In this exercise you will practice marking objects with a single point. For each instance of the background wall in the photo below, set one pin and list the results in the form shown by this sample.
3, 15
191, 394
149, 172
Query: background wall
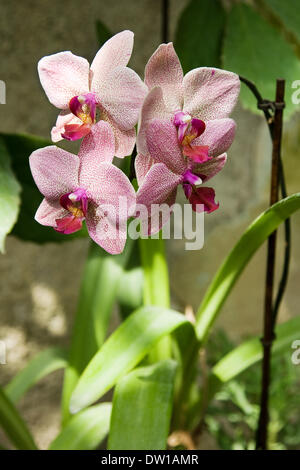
38, 297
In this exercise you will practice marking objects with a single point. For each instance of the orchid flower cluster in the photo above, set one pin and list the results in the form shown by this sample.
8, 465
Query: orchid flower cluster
183, 134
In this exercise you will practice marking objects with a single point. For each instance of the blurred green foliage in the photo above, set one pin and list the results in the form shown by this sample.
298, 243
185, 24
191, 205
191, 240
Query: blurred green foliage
232, 416
252, 41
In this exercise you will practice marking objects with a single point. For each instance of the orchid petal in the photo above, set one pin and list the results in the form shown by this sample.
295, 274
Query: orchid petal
115, 52
109, 188
124, 140
192, 178
210, 168
142, 163
54, 171
63, 75
164, 69
68, 225
203, 199
64, 118
48, 212
218, 136
159, 187
76, 131
153, 107
98, 146
163, 145
121, 94
102, 229
210, 93
107, 184
197, 153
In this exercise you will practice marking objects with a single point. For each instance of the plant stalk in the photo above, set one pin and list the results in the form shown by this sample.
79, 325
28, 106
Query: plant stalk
268, 337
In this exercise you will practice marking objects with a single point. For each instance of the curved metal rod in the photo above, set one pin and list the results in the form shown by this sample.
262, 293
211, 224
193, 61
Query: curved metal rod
262, 104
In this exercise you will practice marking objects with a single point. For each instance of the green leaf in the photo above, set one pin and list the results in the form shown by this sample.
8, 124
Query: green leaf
234, 264
9, 196
148, 390
98, 292
19, 148
43, 364
13, 425
156, 285
255, 49
288, 12
241, 358
130, 290
86, 430
156, 276
250, 352
123, 350
199, 34
103, 33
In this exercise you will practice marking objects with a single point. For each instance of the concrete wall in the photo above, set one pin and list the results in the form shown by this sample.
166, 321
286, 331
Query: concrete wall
38, 297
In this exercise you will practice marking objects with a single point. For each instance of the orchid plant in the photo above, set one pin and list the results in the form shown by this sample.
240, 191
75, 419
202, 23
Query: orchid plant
140, 142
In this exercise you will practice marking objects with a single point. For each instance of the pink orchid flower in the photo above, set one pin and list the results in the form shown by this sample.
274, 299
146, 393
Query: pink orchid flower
170, 168
108, 85
85, 187
198, 104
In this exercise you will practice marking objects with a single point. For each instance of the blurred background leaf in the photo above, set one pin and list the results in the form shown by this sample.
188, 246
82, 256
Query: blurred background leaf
19, 148
255, 49
199, 34
41, 365
288, 13
9, 195
102, 32
13, 425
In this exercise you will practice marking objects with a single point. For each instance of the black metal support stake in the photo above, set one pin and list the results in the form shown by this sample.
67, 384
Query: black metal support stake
268, 337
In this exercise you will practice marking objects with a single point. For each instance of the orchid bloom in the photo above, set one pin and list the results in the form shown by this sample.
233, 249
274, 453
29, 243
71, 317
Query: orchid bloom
171, 169
108, 85
85, 187
197, 104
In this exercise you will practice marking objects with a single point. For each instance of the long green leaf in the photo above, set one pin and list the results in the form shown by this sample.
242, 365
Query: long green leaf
9, 195
234, 264
97, 295
13, 425
86, 430
250, 352
43, 364
142, 407
194, 42
156, 276
130, 290
241, 358
123, 350
257, 50
156, 285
